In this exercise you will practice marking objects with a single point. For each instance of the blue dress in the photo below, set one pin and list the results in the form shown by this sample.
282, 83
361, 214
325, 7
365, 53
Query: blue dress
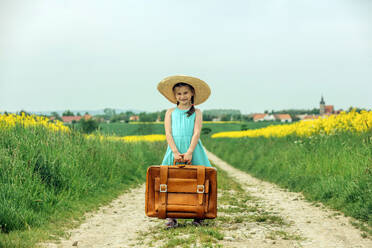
182, 131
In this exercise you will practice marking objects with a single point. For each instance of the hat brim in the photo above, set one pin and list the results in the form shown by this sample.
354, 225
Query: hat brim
202, 90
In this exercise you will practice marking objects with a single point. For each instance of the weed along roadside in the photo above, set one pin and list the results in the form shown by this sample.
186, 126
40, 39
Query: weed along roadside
335, 170
49, 179
317, 225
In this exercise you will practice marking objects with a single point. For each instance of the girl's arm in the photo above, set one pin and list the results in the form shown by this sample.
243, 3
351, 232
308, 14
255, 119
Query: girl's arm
168, 134
196, 135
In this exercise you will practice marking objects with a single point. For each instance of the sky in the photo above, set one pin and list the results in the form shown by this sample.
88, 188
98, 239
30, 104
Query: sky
256, 55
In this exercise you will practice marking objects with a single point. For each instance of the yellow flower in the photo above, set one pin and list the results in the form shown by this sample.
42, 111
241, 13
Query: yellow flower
11, 120
349, 122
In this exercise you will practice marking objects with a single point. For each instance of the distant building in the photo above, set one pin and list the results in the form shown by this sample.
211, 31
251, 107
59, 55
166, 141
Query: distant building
69, 119
301, 117
322, 106
325, 109
283, 117
134, 118
269, 118
263, 117
259, 117
328, 109
310, 117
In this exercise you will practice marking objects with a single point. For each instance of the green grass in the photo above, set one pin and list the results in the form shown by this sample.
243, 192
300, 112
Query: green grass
336, 170
125, 129
48, 179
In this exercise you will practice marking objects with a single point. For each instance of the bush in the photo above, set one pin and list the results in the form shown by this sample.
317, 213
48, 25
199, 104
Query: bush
88, 126
206, 130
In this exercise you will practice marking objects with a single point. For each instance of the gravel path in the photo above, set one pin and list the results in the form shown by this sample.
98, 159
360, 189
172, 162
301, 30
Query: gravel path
118, 224
320, 226
114, 225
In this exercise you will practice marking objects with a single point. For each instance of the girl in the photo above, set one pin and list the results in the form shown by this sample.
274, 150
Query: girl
183, 124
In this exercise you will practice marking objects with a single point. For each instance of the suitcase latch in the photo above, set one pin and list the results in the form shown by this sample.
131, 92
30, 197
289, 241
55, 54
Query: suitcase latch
165, 187
200, 189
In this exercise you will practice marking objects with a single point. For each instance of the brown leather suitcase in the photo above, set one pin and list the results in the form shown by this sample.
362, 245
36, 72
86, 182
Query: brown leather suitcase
181, 191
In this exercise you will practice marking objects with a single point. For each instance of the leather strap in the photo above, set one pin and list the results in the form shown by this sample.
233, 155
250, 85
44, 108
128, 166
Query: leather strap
200, 181
163, 195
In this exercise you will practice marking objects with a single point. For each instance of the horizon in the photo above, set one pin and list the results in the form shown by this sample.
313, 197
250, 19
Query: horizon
136, 111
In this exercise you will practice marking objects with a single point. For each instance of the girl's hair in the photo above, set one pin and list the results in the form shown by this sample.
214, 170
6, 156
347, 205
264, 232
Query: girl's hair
192, 109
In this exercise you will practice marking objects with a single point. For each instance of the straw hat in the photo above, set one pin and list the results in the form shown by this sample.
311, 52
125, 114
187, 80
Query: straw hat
202, 90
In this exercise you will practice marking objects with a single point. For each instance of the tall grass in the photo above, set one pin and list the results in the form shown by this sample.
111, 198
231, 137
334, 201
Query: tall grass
44, 174
336, 170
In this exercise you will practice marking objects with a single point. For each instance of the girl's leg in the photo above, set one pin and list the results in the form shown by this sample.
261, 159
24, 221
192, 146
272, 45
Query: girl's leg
198, 222
171, 223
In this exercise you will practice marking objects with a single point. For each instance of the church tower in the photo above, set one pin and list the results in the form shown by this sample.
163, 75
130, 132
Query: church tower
322, 106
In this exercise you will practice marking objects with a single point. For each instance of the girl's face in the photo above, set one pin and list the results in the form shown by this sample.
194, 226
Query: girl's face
183, 94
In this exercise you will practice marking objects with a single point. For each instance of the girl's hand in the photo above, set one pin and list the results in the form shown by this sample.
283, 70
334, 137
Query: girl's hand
177, 156
187, 156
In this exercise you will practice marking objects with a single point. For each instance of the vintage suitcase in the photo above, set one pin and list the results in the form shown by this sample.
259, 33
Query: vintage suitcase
181, 191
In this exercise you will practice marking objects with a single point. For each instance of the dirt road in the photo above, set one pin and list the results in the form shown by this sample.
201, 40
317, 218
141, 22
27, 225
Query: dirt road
121, 223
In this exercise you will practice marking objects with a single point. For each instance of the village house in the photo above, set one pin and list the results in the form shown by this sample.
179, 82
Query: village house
283, 117
258, 117
70, 119
134, 118
301, 117
311, 117
269, 117
263, 117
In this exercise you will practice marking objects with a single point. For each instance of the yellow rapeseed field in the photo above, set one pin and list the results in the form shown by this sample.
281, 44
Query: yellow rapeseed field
351, 122
10, 120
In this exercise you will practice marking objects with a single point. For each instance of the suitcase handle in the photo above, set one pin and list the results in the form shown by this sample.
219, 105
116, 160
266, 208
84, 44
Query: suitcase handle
181, 161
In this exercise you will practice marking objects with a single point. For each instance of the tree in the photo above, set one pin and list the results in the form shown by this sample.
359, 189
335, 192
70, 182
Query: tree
68, 113
206, 130
207, 117
24, 112
88, 126
109, 112
56, 116
247, 118
225, 117
236, 117
162, 114
243, 127
143, 116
